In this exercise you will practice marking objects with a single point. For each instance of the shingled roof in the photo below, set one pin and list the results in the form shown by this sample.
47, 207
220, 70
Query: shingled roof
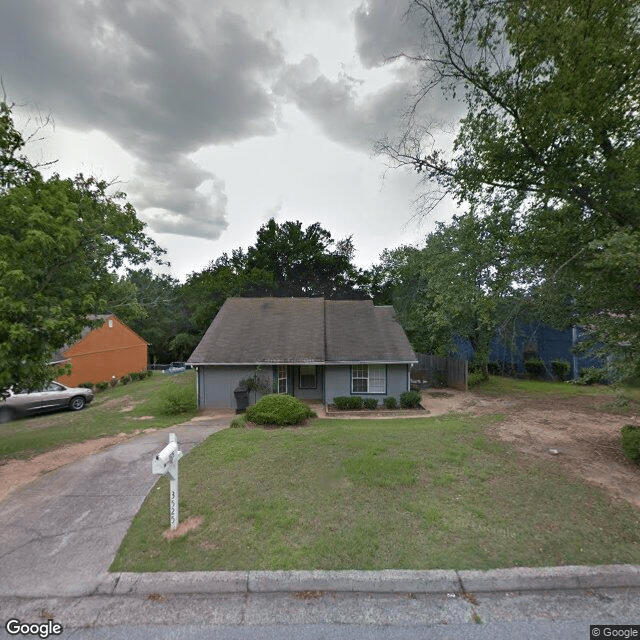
302, 331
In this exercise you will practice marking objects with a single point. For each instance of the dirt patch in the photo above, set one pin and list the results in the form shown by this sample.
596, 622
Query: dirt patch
16, 473
183, 527
581, 433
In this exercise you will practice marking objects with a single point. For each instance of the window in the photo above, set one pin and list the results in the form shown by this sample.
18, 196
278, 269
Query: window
307, 377
368, 378
377, 378
360, 379
282, 379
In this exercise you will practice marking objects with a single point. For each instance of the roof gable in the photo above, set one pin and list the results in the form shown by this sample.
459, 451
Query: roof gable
302, 330
264, 330
357, 331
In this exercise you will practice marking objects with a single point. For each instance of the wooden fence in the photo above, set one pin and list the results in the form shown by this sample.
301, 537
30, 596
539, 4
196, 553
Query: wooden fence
437, 371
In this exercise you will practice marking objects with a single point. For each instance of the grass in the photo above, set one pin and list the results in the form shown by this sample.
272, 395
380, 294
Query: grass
421, 493
504, 386
138, 405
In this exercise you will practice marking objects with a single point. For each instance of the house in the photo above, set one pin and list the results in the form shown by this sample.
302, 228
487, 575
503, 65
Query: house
311, 348
509, 349
103, 352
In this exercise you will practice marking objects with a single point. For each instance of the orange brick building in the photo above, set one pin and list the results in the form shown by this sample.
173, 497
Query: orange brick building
107, 351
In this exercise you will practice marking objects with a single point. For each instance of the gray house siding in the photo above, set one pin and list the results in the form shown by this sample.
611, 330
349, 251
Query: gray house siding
338, 382
301, 332
217, 383
316, 393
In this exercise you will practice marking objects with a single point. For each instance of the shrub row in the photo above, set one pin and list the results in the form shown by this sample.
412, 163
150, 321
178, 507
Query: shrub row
408, 400
126, 379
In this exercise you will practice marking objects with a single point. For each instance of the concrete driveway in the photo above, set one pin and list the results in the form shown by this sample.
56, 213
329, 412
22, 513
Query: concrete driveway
59, 534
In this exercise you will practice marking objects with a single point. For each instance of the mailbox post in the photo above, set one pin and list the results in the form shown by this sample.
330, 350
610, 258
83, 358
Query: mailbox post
166, 463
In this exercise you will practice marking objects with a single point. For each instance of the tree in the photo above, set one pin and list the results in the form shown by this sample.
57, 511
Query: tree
302, 263
204, 292
458, 286
149, 303
61, 241
285, 260
550, 135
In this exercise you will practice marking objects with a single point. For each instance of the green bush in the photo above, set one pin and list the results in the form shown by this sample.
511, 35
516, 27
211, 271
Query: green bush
102, 386
630, 442
178, 400
535, 368
370, 403
560, 369
86, 385
275, 409
410, 400
126, 379
239, 422
347, 403
390, 403
476, 377
592, 375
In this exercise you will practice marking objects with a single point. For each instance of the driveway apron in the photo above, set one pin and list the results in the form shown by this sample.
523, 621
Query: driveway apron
59, 534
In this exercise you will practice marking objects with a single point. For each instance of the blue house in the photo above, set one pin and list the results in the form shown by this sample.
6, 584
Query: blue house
535, 340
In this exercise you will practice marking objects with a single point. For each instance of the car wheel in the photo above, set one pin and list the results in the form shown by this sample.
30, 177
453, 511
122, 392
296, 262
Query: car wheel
6, 415
77, 403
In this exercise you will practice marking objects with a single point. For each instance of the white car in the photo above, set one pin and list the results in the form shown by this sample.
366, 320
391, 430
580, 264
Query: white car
53, 397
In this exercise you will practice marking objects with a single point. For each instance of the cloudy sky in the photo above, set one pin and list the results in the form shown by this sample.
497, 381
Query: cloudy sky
215, 115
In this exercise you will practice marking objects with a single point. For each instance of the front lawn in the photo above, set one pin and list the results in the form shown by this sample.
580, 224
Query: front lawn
420, 493
142, 404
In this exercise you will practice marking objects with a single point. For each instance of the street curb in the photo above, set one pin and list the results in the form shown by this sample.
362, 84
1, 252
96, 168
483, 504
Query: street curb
545, 578
387, 581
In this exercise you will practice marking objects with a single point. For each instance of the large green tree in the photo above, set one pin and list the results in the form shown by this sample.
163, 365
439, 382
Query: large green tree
61, 241
551, 135
305, 262
459, 285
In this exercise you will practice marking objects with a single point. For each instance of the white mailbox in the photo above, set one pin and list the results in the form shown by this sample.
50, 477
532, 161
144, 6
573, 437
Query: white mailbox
166, 462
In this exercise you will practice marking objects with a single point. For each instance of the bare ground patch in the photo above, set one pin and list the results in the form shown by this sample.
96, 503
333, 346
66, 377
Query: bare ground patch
581, 433
16, 473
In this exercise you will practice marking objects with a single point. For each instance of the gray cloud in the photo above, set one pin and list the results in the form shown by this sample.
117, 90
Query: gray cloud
158, 79
344, 114
384, 29
181, 198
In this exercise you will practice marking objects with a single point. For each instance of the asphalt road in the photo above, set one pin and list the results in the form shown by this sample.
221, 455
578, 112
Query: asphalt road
524, 615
